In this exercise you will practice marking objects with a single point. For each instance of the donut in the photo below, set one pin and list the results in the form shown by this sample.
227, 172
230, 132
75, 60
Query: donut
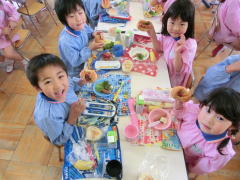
88, 75
181, 93
144, 25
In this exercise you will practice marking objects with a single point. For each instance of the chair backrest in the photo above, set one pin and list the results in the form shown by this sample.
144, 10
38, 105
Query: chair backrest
16, 29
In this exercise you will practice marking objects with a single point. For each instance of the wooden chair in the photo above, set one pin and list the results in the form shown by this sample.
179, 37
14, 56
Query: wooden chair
59, 148
31, 8
24, 34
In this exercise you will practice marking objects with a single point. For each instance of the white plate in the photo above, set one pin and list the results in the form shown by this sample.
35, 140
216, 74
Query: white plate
137, 50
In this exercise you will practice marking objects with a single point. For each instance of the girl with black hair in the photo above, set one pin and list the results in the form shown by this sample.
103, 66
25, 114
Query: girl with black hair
205, 130
176, 41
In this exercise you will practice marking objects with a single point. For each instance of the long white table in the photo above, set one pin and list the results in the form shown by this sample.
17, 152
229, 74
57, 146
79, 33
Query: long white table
132, 154
136, 12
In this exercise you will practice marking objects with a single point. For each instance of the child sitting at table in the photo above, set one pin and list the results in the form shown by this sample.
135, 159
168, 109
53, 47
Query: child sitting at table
93, 8
225, 30
176, 41
223, 74
205, 130
8, 21
57, 106
74, 45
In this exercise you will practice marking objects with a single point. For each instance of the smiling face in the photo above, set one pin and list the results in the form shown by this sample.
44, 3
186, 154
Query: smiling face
76, 19
212, 123
53, 82
176, 27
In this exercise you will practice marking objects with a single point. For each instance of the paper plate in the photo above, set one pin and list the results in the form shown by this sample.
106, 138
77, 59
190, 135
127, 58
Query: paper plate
138, 50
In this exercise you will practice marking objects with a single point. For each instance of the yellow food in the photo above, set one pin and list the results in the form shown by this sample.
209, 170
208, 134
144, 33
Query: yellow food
152, 56
127, 66
93, 133
163, 120
83, 165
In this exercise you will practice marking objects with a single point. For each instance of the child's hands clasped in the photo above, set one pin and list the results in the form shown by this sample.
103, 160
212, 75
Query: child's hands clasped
180, 44
75, 110
93, 45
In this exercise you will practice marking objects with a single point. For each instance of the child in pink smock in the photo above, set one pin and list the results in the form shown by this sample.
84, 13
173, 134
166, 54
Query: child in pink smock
206, 129
176, 41
225, 30
8, 20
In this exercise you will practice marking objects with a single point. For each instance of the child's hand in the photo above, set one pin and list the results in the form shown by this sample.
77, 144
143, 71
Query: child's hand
93, 45
81, 82
180, 44
153, 2
75, 110
106, 4
98, 33
6, 30
12, 24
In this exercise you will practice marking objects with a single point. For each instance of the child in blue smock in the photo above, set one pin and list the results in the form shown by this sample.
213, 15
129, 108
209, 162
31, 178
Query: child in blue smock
223, 74
93, 9
57, 106
74, 42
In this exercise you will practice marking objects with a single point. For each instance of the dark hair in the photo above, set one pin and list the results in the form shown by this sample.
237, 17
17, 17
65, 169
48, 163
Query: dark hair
39, 62
65, 7
183, 9
225, 101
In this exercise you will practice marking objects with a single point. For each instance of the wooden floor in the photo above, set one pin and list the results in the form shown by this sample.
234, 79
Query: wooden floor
24, 153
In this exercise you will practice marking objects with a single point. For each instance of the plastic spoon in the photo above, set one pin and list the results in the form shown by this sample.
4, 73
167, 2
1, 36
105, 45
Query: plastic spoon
131, 131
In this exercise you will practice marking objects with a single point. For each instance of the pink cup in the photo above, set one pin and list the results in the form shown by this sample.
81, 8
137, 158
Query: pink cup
155, 115
131, 132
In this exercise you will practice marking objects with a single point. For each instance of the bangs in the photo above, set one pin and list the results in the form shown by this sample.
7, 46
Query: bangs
224, 101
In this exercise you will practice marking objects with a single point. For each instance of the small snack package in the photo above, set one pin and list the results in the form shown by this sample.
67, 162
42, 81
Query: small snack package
154, 167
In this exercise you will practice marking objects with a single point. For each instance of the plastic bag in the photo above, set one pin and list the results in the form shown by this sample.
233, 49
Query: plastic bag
154, 167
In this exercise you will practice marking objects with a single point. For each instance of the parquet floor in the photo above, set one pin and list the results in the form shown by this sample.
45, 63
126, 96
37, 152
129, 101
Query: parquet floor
24, 153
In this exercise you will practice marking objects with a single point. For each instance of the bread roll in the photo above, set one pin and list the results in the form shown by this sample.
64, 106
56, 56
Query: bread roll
98, 38
181, 93
144, 25
93, 133
88, 75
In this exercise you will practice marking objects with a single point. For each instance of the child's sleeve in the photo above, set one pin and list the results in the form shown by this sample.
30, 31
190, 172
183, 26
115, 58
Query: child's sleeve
188, 55
71, 54
11, 12
56, 128
210, 164
232, 19
188, 112
89, 32
94, 7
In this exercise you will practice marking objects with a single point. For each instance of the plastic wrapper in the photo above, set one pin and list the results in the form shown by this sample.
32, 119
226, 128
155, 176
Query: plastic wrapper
154, 167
